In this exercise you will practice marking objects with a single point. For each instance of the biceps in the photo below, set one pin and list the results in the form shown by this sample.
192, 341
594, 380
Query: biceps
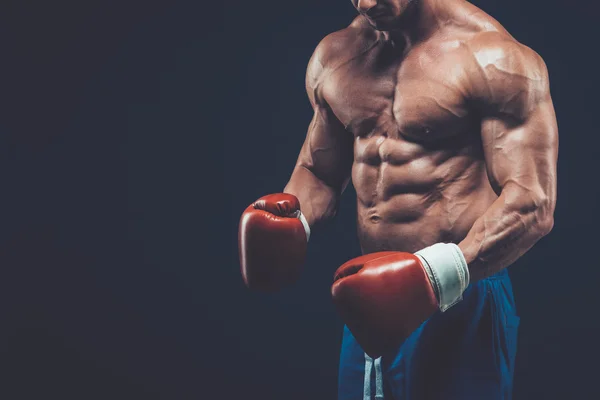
522, 153
328, 150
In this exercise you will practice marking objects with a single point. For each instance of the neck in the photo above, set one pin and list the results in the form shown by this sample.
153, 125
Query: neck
419, 20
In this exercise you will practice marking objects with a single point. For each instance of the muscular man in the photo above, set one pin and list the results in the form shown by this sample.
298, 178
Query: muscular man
445, 124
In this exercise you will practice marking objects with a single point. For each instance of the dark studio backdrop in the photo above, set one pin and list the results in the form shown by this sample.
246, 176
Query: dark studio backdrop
132, 136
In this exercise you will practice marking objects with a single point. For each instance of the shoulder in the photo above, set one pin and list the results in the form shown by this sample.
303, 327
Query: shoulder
498, 52
504, 71
339, 48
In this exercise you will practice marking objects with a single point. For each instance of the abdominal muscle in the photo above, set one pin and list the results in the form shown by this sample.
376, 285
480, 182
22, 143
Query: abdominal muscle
409, 197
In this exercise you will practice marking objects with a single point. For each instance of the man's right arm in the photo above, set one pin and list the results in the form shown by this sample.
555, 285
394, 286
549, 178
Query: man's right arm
324, 165
275, 229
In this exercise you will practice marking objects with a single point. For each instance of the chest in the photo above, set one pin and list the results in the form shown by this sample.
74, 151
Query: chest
419, 97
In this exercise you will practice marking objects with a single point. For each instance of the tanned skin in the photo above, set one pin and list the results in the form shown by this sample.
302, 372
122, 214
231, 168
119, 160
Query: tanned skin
444, 123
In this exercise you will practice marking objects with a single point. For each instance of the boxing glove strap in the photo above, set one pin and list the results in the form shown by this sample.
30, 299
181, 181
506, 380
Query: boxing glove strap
448, 272
302, 219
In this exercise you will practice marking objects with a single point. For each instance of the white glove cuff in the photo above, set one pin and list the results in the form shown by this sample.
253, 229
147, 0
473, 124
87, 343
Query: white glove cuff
448, 272
302, 219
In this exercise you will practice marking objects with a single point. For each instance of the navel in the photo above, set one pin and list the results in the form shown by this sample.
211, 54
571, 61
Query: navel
374, 219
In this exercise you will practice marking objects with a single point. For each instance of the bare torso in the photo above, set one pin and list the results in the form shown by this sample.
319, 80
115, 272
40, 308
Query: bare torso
419, 169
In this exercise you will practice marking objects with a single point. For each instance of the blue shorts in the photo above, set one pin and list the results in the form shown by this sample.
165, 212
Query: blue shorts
468, 352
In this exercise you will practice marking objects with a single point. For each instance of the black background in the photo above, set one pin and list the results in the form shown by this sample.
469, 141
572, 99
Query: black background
132, 136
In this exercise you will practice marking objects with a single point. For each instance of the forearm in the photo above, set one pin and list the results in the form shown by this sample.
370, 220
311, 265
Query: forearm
508, 229
318, 201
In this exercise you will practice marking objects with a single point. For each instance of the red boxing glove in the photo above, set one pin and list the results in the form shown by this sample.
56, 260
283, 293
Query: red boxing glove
383, 297
273, 236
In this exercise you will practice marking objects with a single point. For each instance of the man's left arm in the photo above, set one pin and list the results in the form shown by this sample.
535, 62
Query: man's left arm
520, 142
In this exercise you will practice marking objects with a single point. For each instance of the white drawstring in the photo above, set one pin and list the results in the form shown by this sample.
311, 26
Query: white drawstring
378, 378
367, 386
